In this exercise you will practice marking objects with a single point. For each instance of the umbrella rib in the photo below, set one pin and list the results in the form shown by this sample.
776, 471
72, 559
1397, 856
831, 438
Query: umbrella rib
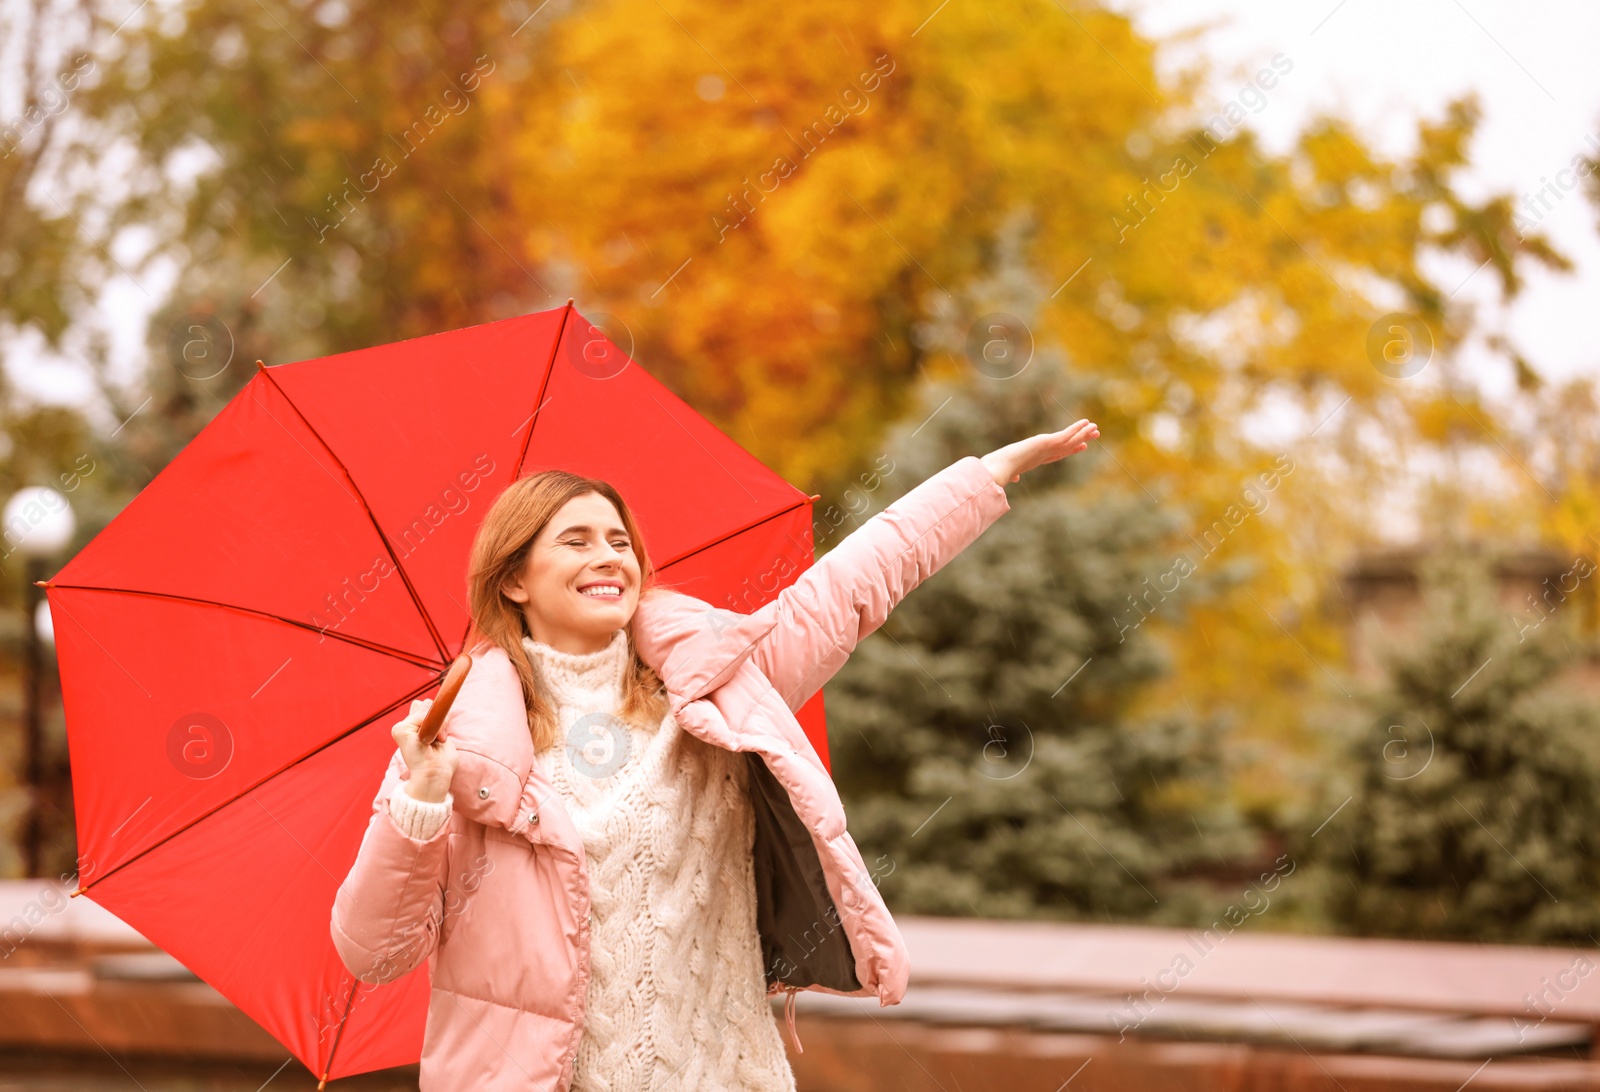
544, 385
365, 507
533, 419
732, 534
528, 439
391, 707
339, 1034
371, 646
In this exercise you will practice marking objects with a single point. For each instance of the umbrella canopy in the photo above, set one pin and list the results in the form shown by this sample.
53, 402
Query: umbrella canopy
236, 644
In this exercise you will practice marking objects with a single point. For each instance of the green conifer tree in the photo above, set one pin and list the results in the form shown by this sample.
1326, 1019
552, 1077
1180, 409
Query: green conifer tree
1471, 810
983, 739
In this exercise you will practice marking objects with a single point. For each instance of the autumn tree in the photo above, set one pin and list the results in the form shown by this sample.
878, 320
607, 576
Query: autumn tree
765, 204
767, 224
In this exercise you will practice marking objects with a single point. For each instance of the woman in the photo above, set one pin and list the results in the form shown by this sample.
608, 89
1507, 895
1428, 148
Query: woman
621, 842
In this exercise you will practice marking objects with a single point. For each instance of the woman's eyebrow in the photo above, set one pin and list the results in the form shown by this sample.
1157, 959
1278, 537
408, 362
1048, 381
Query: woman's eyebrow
584, 529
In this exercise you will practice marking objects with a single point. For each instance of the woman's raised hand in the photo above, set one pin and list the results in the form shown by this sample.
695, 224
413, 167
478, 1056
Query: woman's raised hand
1009, 463
432, 765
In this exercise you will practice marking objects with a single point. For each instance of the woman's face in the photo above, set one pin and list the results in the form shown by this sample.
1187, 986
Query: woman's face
580, 583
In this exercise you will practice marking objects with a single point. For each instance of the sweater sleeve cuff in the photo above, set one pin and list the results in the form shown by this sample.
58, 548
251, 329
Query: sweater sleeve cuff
418, 819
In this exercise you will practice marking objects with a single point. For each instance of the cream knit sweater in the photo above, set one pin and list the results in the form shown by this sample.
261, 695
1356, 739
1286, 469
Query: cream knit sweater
677, 995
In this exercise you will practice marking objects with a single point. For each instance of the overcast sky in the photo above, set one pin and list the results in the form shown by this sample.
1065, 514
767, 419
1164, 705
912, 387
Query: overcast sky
1383, 63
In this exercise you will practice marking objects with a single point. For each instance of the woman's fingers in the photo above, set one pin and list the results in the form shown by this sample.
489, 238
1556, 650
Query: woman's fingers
1009, 463
1080, 435
1079, 432
413, 720
1070, 440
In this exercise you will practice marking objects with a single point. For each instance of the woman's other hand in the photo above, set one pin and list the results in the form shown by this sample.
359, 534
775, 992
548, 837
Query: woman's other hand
432, 765
1009, 463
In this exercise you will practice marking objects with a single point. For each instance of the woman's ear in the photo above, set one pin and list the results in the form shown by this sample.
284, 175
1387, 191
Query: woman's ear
513, 590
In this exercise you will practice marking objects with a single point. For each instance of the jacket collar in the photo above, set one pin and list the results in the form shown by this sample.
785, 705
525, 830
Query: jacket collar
693, 646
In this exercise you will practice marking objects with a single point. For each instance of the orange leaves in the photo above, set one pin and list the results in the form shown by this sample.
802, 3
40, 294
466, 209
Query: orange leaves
775, 200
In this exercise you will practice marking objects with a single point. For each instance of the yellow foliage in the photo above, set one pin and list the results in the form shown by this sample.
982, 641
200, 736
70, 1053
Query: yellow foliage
770, 198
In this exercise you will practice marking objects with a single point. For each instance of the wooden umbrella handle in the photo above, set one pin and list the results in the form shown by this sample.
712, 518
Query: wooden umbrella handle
433, 720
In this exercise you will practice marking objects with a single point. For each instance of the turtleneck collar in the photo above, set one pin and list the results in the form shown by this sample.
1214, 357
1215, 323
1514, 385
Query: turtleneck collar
581, 678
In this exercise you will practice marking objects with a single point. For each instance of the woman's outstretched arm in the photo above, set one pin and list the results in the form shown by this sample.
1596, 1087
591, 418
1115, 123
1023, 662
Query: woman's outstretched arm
849, 592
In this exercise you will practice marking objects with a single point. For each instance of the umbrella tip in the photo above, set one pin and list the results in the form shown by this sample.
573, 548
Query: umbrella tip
260, 367
43, 584
569, 301
76, 893
322, 1083
815, 497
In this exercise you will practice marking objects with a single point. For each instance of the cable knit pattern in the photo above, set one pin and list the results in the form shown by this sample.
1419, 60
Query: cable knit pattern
419, 819
677, 994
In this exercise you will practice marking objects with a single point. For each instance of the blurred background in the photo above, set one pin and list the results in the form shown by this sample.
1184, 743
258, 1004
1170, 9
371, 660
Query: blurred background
1292, 682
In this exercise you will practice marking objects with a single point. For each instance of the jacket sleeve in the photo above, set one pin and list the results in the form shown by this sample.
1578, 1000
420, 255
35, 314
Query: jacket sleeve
850, 590
389, 909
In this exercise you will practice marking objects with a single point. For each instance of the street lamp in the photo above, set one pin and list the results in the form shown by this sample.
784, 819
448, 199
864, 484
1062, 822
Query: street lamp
38, 524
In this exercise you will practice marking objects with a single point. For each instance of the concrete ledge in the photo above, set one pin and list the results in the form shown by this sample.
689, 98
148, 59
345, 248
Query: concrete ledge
73, 1009
1001, 1005
1313, 1027
1240, 964
871, 1055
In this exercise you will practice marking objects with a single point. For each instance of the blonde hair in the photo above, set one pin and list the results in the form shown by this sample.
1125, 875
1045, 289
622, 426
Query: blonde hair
500, 551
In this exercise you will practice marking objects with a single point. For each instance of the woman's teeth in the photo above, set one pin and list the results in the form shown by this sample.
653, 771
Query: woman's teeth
602, 592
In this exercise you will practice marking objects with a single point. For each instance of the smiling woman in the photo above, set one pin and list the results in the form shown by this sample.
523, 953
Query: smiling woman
580, 582
660, 869
544, 563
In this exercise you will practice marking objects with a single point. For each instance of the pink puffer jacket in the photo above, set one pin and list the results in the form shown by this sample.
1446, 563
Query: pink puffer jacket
497, 901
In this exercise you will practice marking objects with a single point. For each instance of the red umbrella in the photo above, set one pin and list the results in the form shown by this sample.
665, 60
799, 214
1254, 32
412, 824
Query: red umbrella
235, 646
